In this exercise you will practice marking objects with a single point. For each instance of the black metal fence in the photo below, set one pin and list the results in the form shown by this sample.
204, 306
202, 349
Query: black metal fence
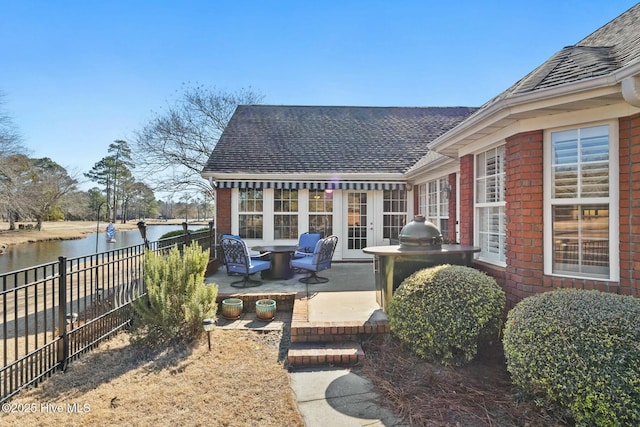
53, 313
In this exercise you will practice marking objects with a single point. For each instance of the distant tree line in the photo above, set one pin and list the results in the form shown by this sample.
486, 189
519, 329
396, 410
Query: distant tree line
168, 155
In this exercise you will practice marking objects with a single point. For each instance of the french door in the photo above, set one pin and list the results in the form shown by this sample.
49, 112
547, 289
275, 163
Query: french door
359, 219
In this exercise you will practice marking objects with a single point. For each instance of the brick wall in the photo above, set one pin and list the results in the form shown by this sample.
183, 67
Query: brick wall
223, 211
629, 218
524, 274
466, 200
452, 209
524, 165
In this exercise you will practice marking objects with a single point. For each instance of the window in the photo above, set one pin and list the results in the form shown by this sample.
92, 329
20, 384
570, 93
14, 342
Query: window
490, 205
433, 201
394, 213
285, 217
321, 212
580, 199
250, 214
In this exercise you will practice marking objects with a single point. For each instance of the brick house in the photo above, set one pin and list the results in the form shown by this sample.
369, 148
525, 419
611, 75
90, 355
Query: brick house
544, 178
547, 177
279, 171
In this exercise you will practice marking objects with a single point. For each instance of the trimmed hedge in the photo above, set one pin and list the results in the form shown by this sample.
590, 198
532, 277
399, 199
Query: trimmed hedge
579, 350
443, 312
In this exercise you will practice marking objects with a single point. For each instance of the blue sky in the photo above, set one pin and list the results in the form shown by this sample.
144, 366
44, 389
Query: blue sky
77, 75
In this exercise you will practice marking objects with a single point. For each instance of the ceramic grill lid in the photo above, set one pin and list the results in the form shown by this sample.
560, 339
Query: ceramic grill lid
420, 234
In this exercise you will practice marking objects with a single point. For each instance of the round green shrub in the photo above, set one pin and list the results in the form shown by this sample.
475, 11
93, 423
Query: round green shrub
443, 312
579, 350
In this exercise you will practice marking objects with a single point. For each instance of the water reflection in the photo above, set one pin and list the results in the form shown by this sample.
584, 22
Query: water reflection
30, 254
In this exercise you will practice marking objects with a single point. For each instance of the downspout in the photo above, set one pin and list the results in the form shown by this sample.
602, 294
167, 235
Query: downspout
631, 90
631, 94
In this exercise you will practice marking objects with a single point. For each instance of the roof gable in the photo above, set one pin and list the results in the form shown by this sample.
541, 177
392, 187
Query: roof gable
314, 139
606, 50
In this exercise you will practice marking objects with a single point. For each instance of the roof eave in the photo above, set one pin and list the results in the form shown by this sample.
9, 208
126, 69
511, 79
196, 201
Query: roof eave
450, 142
212, 176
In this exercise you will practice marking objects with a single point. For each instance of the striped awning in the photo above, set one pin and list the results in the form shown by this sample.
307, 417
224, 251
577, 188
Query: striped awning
313, 185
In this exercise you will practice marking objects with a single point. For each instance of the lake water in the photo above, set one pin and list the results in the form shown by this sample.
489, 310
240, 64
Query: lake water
30, 254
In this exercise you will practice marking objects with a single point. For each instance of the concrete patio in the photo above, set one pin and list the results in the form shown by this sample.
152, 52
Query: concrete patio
349, 295
325, 330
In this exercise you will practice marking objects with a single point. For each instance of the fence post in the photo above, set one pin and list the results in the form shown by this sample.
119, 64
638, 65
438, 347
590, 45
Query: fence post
213, 253
187, 237
63, 345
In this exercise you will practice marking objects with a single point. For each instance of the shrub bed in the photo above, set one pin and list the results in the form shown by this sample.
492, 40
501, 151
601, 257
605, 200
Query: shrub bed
578, 350
443, 312
177, 298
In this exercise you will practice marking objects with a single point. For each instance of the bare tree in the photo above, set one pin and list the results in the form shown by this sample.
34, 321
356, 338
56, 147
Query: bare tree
175, 145
11, 200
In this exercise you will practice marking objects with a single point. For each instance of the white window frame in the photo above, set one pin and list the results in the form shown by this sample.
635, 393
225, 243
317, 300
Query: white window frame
292, 214
481, 206
394, 218
441, 205
261, 213
327, 215
611, 200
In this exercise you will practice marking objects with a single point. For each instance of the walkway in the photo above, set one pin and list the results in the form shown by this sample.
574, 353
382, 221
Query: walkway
326, 395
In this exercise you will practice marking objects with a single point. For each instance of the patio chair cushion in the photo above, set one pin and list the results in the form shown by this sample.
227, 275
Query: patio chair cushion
306, 244
320, 260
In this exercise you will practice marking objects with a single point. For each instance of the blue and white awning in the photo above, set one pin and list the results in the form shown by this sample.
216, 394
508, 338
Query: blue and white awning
313, 185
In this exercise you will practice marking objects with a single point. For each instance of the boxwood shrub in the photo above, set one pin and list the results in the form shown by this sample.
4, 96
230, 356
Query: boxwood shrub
444, 312
579, 350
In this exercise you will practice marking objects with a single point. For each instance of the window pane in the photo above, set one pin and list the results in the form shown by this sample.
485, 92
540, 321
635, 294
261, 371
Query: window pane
492, 233
565, 180
422, 199
250, 226
490, 176
581, 162
250, 213
394, 214
321, 212
581, 239
285, 226
595, 180
285, 220
490, 192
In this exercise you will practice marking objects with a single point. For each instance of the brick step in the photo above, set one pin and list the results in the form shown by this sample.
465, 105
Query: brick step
324, 353
336, 331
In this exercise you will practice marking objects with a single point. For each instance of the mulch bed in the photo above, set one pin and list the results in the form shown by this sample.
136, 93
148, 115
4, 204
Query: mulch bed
426, 394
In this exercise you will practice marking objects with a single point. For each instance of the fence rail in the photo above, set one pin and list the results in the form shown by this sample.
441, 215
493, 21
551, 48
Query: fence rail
53, 313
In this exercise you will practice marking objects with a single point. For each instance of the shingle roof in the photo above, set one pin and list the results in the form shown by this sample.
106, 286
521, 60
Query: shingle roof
611, 47
315, 139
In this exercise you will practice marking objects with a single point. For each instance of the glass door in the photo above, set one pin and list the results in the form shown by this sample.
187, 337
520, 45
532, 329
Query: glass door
357, 222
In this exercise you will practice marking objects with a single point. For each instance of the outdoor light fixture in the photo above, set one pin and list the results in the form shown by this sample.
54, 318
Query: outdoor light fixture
71, 318
208, 325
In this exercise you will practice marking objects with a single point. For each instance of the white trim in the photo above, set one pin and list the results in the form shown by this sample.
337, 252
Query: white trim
301, 177
612, 200
313, 185
516, 104
479, 205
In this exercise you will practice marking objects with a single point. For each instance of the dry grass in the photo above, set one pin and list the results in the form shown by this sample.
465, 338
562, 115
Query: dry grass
62, 230
425, 394
57, 230
240, 382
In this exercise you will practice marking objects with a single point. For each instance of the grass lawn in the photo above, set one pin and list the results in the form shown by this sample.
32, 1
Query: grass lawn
240, 382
